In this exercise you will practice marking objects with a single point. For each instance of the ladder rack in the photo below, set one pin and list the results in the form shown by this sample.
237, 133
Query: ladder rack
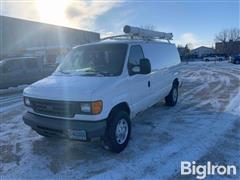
141, 34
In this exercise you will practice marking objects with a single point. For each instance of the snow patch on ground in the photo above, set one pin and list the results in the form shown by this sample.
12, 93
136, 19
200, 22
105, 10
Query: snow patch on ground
234, 105
9, 102
203, 126
13, 89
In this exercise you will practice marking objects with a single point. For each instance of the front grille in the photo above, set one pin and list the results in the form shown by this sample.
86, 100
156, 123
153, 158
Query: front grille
54, 108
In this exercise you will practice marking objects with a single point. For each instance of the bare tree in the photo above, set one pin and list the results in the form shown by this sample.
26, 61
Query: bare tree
227, 39
234, 34
189, 46
222, 36
228, 35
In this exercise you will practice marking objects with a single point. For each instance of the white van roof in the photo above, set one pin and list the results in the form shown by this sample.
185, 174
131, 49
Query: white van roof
124, 41
135, 35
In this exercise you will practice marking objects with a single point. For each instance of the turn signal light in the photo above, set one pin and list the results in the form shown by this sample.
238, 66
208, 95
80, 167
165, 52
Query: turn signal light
96, 107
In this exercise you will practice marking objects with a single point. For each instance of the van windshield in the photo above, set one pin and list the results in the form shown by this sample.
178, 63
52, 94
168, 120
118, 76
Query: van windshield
95, 60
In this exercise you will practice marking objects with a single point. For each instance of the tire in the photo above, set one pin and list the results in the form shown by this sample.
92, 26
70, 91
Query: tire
171, 99
118, 123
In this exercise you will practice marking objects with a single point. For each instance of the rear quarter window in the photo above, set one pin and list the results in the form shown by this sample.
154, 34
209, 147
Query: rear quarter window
161, 55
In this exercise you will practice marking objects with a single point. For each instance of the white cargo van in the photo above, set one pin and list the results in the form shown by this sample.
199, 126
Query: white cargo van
100, 86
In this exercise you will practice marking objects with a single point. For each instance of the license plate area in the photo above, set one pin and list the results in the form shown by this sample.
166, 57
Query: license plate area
77, 134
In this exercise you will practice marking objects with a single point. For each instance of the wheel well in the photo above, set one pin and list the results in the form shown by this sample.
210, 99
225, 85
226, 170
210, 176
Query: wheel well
121, 106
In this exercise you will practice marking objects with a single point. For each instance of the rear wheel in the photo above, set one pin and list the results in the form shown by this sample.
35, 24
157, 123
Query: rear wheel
171, 99
118, 131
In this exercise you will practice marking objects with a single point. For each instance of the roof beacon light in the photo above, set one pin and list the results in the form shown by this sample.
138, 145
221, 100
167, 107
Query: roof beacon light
148, 34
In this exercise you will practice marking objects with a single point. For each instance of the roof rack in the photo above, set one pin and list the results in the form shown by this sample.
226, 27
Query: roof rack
139, 33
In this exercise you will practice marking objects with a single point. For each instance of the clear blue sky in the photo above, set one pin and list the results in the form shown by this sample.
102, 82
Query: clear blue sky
191, 21
202, 20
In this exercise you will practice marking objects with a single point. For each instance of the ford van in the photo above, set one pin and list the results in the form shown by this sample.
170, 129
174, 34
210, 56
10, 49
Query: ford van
100, 87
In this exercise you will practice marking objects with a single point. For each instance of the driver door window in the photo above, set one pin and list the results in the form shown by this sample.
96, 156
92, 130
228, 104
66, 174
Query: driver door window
138, 83
135, 55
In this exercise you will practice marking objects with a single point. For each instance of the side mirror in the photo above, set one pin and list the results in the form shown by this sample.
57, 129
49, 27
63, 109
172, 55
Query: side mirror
145, 66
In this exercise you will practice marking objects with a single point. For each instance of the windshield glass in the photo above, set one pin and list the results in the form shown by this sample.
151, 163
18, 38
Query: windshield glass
101, 59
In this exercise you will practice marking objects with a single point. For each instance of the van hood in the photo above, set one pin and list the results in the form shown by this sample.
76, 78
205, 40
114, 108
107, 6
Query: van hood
71, 88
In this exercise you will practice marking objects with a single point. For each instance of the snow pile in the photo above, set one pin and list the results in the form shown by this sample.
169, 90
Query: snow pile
13, 89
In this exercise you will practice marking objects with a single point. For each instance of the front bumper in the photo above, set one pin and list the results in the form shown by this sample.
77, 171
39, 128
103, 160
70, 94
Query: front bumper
63, 128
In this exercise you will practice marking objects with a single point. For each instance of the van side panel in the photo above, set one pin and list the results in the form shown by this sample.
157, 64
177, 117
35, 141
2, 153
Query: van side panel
163, 56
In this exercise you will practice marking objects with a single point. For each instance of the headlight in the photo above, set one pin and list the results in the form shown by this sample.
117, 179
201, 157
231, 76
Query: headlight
85, 107
27, 101
94, 107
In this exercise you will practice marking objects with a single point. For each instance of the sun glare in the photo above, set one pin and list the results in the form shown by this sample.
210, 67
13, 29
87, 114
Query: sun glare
52, 11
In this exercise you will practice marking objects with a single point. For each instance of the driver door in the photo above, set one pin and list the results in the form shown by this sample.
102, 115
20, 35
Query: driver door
138, 84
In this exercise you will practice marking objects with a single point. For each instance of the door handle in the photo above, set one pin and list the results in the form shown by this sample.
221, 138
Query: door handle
149, 83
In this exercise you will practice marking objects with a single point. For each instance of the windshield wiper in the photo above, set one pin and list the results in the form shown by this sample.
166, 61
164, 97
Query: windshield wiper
100, 73
106, 73
63, 72
88, 72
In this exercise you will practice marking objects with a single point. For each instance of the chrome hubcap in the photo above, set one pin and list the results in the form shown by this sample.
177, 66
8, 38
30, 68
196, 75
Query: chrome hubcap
174, 94
121, 131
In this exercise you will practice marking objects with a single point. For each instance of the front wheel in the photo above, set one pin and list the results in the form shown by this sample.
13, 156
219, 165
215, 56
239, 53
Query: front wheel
118, 131
171, 99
